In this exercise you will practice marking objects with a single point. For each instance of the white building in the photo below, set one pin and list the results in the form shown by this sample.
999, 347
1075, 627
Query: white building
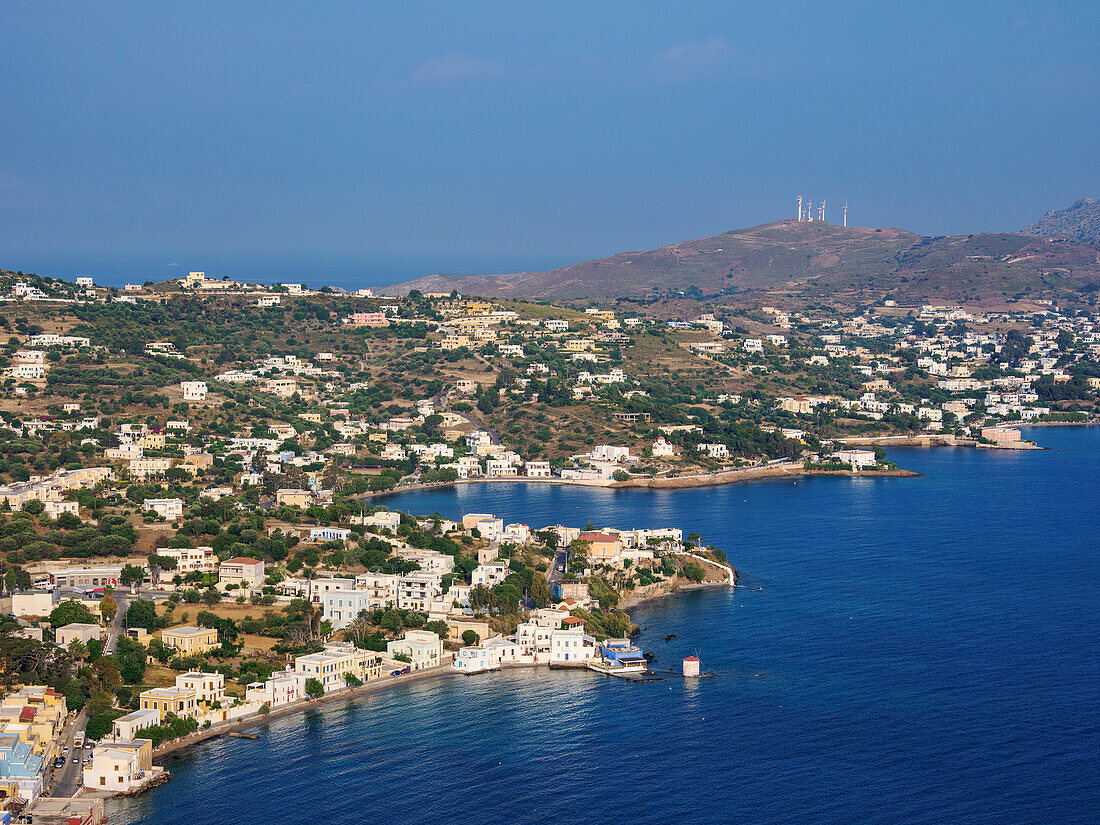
169, 509
423, 647
120, 766
857, 459
329, 534
342, 607
193, 390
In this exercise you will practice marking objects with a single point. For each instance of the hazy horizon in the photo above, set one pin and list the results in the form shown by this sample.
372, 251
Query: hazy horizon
222, 135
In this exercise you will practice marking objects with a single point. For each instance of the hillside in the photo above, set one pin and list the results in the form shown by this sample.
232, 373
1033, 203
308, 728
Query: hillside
1080, 221
810, 261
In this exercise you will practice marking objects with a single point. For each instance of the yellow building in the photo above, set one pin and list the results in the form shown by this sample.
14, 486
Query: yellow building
153, 441
188, 640
198, 461
165, 700
293, 498
34, 714
331, 666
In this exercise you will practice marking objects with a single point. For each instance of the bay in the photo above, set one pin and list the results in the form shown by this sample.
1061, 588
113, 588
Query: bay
922, 650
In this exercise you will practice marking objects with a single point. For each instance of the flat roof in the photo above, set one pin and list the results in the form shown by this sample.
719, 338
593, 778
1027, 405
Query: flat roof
187, 630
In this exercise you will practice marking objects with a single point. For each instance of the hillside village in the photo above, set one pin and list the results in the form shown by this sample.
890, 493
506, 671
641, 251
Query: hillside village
192, 480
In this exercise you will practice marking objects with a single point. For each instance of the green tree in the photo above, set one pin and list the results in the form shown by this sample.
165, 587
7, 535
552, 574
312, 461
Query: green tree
540, 591
694, 572
142, 613
469, 637
131, 656
314, 689
108, 607
132, 574
69, 612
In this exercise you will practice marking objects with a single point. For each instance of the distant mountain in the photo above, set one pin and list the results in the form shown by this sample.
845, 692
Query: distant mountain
1080, 221
809, 260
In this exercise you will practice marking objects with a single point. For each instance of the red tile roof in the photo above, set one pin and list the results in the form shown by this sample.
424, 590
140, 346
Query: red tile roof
27, 714
242, 560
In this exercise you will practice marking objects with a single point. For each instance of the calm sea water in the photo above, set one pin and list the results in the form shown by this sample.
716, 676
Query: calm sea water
349, 271
922, 651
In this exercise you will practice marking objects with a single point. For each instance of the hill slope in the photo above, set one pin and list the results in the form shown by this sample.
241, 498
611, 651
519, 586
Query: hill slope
809, 260
1080, 221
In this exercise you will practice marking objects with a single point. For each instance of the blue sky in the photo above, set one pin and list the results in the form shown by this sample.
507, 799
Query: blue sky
453, 135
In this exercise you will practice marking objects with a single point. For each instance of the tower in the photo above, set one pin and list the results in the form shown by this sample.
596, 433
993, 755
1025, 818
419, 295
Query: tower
845, 213
800, 209
821, 212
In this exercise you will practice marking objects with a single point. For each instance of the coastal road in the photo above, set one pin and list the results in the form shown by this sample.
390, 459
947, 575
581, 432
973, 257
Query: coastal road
67, 780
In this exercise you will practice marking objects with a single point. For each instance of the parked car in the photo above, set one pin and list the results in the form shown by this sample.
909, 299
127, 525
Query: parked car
76, 758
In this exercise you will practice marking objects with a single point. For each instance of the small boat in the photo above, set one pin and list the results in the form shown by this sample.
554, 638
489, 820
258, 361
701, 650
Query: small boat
670, 637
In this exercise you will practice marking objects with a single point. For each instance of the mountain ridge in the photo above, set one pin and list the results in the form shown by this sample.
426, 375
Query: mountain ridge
1080, 220
808, 260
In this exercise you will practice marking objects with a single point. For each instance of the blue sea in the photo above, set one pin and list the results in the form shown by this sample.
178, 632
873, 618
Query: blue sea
348, 272
922, 651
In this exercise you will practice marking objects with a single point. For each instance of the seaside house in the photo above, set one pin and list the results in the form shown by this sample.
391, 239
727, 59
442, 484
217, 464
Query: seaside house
603, 548
207, 687
338, 660
165, 700
280, 688
571, 646
423, 647
124, 728
119, 766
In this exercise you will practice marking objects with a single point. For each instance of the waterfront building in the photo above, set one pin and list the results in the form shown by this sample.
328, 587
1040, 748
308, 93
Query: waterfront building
603, 548
164, 700
423, 647
207, 687
336, 662
857, 459
124, 728
280, 688
571, 645
119, 766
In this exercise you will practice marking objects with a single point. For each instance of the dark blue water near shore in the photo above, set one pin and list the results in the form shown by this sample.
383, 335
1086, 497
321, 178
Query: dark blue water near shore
923, 651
